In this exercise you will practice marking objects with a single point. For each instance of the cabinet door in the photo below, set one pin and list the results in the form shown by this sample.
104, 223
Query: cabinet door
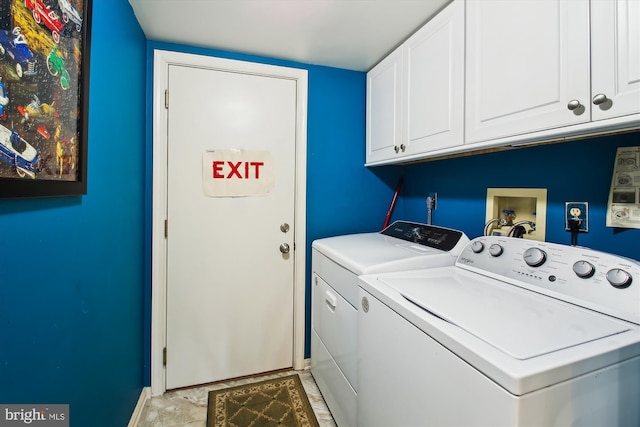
526, 61
384, 109
433, 87
615, 60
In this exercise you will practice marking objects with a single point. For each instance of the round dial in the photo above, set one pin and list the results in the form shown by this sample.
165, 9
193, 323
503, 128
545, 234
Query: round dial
477, 247
534, 257
495, 250
619, 278
583, 269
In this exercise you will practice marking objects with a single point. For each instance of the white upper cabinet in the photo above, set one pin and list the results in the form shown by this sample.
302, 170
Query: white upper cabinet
433, 89
384, 109
415, 96
486, 74
615, 61
526, 62
556, 67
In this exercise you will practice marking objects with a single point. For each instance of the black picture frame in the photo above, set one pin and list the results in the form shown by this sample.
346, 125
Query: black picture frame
44, 98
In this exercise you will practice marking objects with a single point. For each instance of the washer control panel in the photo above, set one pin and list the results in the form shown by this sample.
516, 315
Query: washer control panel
600, 281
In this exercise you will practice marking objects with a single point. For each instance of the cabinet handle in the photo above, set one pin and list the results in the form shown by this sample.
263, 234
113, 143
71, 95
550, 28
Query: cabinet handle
600, 98
396, 148
402, 147
574, 105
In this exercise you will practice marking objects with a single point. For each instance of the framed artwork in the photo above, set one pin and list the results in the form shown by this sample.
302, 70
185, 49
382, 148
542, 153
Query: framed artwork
44, 83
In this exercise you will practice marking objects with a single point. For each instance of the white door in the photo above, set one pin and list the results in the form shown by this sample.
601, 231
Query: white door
433, 92
230, 293
384, 107
526, 61
615, 58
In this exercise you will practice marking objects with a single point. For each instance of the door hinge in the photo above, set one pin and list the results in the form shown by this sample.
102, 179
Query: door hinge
166, 99
164, 356
166, 228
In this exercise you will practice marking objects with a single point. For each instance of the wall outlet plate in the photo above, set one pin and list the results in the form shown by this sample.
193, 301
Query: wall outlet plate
578, 210
432, 201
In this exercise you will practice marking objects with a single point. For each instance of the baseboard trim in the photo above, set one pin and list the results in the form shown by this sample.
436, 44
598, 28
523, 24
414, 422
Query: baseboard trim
145, 395
307, 364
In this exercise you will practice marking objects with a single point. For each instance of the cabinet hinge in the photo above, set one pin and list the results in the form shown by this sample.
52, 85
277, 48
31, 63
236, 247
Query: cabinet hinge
166, 99
166, 228
164, 356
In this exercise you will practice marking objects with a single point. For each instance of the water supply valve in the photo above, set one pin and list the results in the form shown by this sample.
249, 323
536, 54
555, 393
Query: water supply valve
509, 216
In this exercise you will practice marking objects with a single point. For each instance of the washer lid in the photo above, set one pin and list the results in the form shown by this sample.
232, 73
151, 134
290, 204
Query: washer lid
520, 323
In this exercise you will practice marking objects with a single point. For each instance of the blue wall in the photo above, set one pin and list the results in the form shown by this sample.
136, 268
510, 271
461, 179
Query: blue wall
76, 330
71, 287
571, 171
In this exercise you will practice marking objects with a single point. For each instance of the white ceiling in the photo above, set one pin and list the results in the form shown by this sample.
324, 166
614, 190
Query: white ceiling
350, 34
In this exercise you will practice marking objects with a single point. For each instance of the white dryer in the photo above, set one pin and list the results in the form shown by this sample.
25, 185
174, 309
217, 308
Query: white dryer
517, 333
336, 263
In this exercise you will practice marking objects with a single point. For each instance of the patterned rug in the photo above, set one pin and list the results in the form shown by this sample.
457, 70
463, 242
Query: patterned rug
276, 402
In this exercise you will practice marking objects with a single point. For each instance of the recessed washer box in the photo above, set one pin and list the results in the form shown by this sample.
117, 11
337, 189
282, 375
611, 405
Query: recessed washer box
528, 204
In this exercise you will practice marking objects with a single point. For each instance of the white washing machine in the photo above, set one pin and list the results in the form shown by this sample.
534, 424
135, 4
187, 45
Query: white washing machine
517, 333
337, 262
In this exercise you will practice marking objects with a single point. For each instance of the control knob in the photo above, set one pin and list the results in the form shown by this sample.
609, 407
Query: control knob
534, 257
495, 250
619, 278
477, 247
583, 269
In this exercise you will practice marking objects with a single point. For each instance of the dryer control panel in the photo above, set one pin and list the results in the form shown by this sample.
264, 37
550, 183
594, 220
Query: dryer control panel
600, 281
444, 239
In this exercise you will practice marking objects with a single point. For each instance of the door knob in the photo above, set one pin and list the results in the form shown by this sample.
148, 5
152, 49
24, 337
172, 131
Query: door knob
284, 227
600, 98
284, 248
574, 105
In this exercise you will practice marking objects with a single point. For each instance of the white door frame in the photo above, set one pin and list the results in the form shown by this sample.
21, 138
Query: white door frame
162, 61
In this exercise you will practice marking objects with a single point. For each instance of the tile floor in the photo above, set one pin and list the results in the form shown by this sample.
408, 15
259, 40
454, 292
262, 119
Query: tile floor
188, 407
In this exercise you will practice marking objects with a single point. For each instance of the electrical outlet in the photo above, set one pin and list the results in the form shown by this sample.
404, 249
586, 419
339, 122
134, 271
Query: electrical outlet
579, 210
432, 200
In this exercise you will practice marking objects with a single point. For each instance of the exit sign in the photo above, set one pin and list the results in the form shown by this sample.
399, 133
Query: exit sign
237, 173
